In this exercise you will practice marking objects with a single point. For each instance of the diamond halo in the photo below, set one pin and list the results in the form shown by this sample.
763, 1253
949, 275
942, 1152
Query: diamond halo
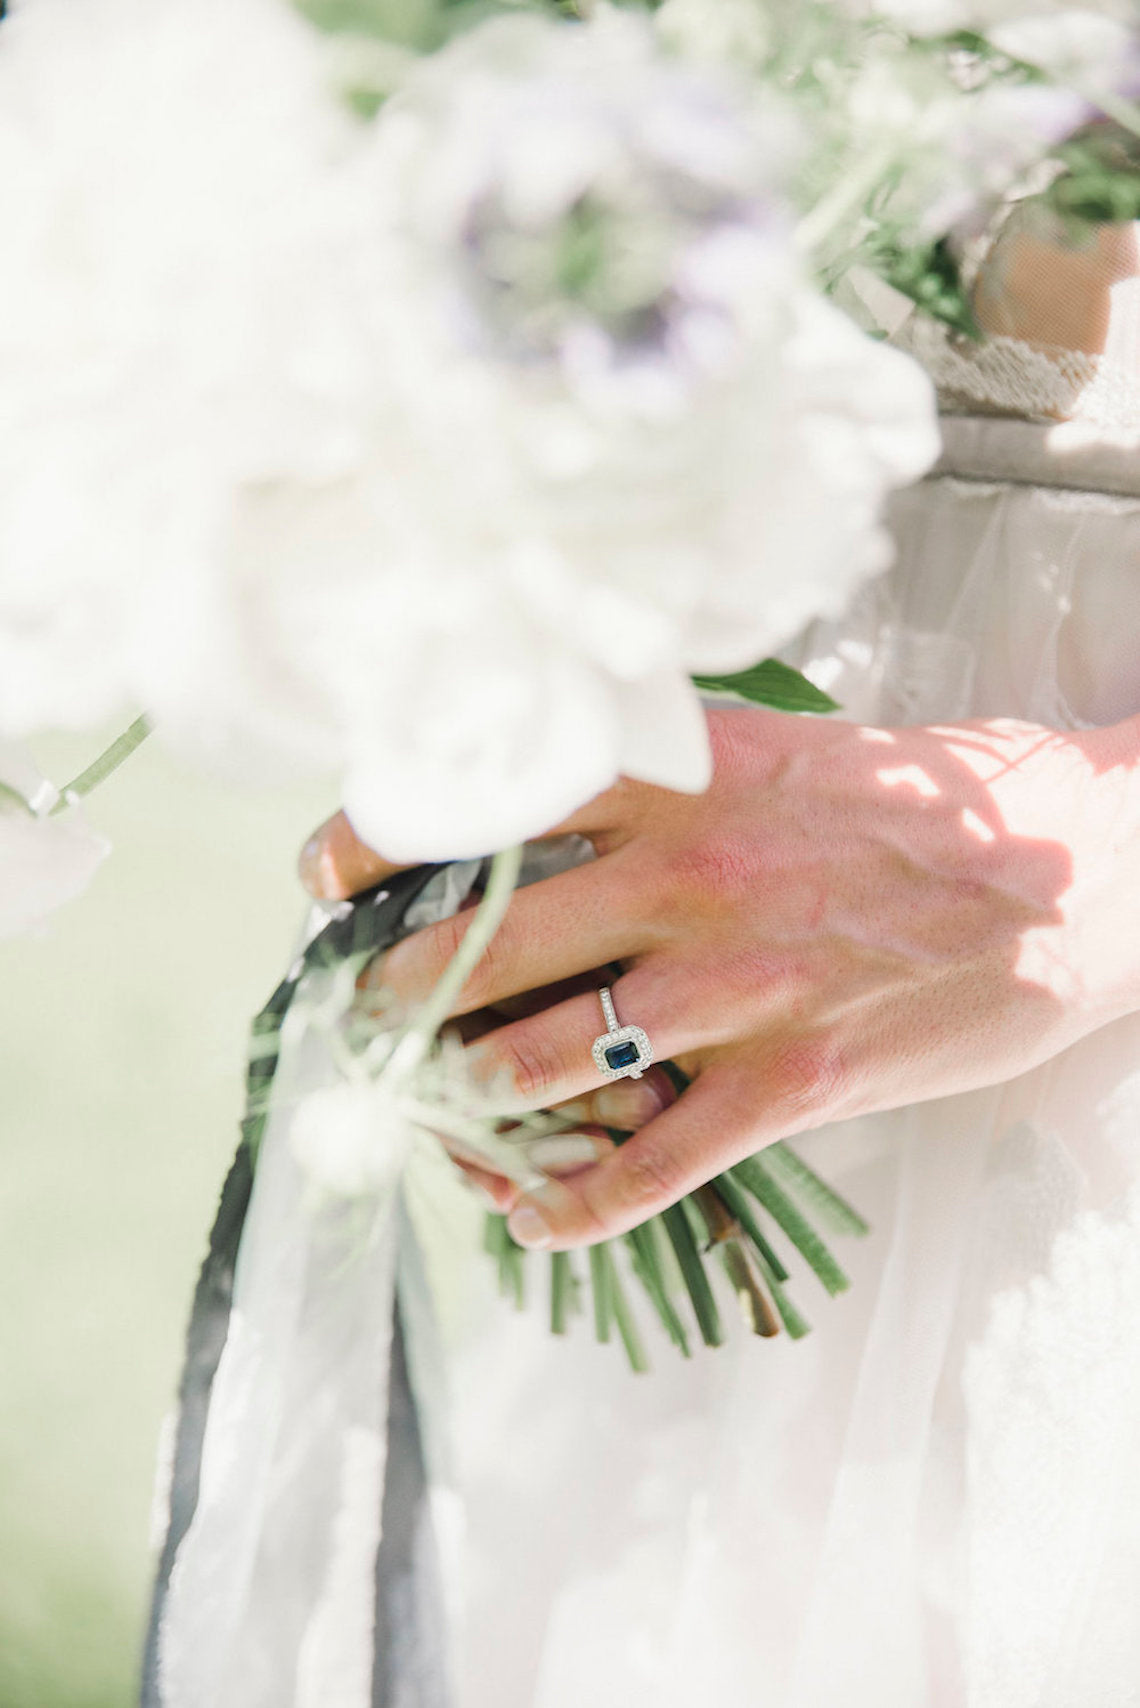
623, 1052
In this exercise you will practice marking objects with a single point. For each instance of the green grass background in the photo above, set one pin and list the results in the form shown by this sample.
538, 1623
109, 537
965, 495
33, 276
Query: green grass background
122, 1032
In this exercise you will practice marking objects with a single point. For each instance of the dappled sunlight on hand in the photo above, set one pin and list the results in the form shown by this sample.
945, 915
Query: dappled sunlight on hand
848, 920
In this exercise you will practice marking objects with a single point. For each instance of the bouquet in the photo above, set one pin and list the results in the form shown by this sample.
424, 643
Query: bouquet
448, 398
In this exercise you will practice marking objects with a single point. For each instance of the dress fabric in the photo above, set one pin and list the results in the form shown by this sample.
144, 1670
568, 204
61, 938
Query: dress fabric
933, 1501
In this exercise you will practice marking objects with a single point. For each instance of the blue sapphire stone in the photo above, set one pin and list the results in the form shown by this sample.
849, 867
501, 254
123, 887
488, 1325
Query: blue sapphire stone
622, 1055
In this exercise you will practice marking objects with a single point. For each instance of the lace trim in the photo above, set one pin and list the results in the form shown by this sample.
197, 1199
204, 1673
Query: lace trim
1006, 377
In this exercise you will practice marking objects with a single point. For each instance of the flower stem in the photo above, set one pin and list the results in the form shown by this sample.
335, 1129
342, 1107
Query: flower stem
487, 918
14, 798
108, 762
841, 200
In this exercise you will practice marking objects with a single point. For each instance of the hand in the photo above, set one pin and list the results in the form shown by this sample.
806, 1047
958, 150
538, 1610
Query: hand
848, 920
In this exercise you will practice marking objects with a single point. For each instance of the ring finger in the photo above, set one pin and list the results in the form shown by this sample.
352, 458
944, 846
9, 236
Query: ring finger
547, 1058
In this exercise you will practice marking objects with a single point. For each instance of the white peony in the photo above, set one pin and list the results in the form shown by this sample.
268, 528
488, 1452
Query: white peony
440, 450
45, 860
1095, 48
1094, 42
175, 330
630, 440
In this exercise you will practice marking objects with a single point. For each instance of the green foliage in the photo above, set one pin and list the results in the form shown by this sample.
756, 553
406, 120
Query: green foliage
565, 1287
1101, 178
11, 800
771, 683
670, 1255
756, 1177
720, 1219
931, 277
106, 764
412, 27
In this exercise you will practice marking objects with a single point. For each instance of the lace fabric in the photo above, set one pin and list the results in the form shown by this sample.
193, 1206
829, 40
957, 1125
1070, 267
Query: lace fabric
1009, 377
1061, 312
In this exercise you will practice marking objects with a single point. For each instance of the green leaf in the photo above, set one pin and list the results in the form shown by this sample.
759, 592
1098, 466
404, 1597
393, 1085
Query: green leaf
932, 279
1100, 183
771, 683
754, 1174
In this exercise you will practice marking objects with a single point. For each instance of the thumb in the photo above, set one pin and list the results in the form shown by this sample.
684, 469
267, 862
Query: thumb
335, 864
704, 1132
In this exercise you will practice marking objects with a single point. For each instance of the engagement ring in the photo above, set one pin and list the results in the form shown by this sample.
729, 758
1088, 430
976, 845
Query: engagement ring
624, 1051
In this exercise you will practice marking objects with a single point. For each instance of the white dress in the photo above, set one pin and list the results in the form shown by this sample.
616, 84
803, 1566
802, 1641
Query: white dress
933, 1501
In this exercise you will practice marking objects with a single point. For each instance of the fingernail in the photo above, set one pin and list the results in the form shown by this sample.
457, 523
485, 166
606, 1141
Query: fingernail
612, 1106
578, 1109
318, 865
309, 865
528, 1227
562, 1151
375, 974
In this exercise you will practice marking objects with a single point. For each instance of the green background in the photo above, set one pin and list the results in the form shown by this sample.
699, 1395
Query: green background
122, 1033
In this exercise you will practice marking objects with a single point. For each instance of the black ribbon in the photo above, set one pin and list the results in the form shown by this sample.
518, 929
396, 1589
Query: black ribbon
409, 1651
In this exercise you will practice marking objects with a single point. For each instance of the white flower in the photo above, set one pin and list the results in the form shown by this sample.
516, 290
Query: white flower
632, 441
45, 860
351, 1139
174, 328
1092, 42
442, 451
1097, 49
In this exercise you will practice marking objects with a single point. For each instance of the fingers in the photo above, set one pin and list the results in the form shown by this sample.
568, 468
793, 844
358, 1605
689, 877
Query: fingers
737, 1105
336, 864
546, 1059
561, 1155
553, 930
605, 818
697, 1137
625, 1104
500, 1192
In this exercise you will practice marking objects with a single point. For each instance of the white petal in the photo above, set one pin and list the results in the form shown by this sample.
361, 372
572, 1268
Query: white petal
422, 793
44, 862
664, 734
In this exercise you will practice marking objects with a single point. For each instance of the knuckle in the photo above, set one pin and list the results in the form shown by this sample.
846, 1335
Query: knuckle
593, 1222
650, 1174
714, 869
494, 973
533, 1061
429, 953
807, 1078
